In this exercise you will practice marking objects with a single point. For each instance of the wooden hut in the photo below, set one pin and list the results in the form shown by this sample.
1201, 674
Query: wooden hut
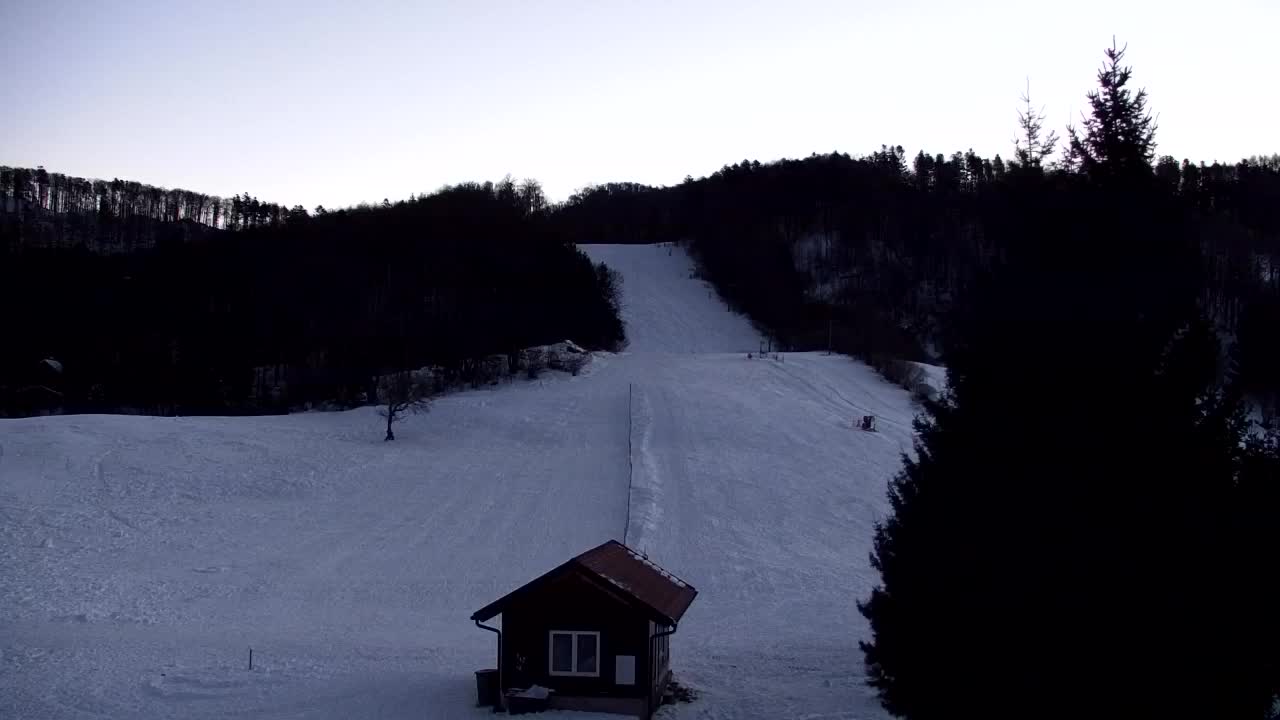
595, 631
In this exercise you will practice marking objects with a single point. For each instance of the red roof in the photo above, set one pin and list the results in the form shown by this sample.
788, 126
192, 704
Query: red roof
623, 569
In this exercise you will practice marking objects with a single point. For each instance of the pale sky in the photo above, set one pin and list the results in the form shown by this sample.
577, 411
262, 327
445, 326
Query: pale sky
335, 103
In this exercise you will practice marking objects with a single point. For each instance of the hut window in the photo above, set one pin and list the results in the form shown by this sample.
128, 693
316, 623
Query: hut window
574, 653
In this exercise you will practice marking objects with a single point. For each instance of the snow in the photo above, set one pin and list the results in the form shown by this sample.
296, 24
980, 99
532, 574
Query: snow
935, 376
768, 499
141, 558
536, 692
644, 506
665, 310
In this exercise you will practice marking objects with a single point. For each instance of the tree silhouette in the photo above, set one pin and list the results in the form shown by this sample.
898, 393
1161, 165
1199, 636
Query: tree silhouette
1033, 146
319, 305
403, 393
1119, 133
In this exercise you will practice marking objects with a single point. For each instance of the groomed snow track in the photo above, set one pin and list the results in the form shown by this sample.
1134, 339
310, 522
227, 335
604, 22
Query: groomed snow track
140, 558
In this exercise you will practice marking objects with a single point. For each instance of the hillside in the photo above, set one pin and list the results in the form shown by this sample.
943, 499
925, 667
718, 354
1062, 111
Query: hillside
318, 307
141, 557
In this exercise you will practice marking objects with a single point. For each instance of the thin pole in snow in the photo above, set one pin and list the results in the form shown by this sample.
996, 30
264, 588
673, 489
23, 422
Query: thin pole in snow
250, 658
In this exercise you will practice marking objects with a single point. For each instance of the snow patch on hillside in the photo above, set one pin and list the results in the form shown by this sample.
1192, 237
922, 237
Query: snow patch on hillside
935, 376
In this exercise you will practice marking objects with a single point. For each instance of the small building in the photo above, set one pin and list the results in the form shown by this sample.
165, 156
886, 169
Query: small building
595, 631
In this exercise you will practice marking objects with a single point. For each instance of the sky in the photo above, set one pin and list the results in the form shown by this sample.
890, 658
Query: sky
336, 103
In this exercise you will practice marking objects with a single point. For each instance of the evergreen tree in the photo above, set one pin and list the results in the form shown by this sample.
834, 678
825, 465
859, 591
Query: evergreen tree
1167, 172
1119, 133
1190, 178
1034, 145
922, 168
1081, 554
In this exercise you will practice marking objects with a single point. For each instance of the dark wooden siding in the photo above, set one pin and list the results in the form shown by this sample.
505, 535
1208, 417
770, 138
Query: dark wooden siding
574, 603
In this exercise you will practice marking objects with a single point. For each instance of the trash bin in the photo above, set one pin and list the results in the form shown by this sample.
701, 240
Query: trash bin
486, 687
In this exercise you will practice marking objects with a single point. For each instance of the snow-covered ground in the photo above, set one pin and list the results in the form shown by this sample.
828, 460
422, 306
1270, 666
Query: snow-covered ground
935, 376
141, 558
668, 311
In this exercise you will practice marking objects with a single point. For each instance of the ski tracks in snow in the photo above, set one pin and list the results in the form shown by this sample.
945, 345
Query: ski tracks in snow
644, 506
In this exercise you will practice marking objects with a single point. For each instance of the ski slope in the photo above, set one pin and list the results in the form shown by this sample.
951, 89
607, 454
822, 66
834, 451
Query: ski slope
141, 558
665, 309
767, 500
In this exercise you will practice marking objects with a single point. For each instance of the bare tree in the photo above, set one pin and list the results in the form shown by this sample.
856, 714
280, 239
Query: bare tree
531, 197
402, 394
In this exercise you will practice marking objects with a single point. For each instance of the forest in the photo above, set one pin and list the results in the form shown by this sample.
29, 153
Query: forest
130, 303
871, 255
865, 255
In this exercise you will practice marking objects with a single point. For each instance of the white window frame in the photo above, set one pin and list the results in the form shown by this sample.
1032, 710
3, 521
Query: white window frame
573, 656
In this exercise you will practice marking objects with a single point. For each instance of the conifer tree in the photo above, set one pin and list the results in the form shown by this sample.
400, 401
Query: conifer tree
1119, 133
1034, 145
1085, 550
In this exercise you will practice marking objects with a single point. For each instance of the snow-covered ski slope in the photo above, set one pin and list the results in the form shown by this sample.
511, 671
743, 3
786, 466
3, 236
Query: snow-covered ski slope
141, 558
665, 309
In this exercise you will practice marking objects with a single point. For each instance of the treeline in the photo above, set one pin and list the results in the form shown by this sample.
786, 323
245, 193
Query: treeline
308, 310
870, 255
40, 209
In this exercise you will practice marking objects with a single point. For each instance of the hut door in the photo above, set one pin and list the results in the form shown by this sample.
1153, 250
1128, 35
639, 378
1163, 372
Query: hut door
624, 670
